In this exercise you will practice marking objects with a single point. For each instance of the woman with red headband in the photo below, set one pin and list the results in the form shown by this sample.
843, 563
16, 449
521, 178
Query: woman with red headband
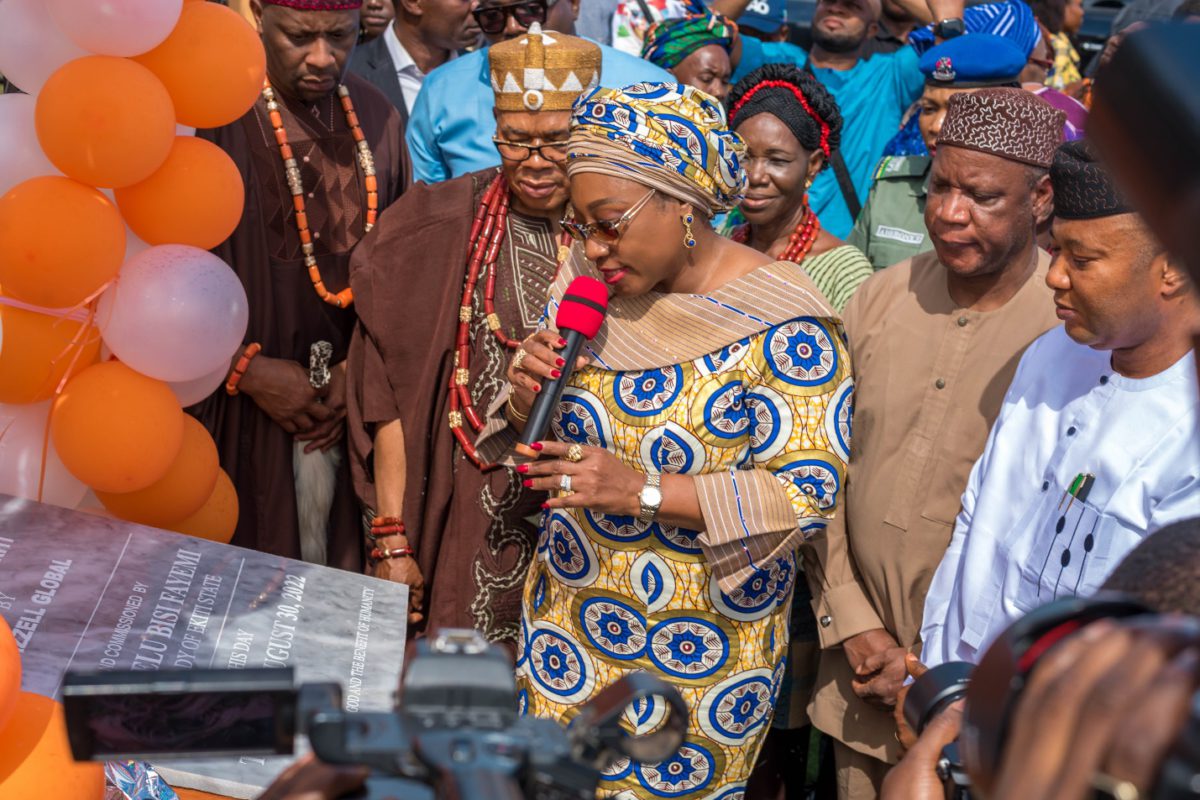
791, 125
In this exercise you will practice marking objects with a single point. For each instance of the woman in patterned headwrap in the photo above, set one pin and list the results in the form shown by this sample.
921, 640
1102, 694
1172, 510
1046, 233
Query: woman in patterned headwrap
791, 125
695, 49
703, 439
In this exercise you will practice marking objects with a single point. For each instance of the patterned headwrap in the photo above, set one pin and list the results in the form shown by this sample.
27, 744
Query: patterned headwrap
1009, 123
1083, 188
669, 137
670, 41
316, 5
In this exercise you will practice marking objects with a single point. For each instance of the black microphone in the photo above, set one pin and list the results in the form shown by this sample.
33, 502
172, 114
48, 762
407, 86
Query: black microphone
580, 315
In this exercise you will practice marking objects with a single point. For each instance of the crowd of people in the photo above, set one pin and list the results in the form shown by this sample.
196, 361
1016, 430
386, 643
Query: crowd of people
889, 358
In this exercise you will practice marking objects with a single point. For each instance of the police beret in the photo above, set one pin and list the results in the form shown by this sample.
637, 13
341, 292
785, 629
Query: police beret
971, 61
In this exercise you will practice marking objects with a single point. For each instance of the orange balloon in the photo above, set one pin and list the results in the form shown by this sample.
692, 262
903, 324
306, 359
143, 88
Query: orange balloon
213, 64
60, 241
105, 121
10, 673
36, 351
217, 518
35, 759
189, 482
115, 429
195, 197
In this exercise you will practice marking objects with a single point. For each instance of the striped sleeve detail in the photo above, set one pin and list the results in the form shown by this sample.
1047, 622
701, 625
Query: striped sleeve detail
748, 518
838, 273
495, 442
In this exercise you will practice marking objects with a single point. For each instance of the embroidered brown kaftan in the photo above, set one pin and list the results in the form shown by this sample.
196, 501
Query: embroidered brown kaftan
286, 316
469, 529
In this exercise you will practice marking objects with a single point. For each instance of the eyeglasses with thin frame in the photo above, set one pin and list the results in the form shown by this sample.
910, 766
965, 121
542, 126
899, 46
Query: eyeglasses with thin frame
493, 19
554, 152
605, 231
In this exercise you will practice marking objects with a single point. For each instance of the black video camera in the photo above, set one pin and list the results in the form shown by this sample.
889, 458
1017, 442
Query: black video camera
458, 732
993, 688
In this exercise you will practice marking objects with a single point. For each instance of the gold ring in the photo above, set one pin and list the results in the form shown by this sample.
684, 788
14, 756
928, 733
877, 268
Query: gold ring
519, 357
575, 453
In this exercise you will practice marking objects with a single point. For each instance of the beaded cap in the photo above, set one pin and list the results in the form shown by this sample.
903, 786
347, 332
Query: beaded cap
542, 71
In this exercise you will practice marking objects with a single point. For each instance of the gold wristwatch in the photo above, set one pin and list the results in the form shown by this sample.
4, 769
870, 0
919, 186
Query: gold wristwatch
650, 498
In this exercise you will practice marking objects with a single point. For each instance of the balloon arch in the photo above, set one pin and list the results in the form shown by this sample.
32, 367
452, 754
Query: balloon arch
114, 315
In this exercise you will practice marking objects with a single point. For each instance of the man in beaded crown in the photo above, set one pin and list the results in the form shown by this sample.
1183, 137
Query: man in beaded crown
454, 277
321, 154
542, 71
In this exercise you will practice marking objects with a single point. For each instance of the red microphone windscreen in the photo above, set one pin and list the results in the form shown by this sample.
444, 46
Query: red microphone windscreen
583, 306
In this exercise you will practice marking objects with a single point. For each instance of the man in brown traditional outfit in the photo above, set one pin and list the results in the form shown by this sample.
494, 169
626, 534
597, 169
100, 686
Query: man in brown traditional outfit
312, 191
935, 340
454, 279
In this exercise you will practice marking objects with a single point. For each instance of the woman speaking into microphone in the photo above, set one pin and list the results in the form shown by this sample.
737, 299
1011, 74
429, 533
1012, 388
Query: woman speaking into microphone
701, 437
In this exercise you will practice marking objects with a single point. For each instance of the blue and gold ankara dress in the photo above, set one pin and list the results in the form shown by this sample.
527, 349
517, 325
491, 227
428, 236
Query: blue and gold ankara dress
760, 413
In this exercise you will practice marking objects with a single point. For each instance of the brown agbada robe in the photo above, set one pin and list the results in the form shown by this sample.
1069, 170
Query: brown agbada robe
286, 316
930, 379
469, 529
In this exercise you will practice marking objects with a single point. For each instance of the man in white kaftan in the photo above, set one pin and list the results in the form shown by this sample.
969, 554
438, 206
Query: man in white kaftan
1097, 445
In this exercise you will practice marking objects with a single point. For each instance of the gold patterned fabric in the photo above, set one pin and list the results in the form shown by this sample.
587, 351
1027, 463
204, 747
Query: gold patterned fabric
762, 422
671, 137
542, 71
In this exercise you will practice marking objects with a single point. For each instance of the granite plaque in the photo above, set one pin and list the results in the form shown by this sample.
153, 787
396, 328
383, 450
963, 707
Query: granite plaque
83, 592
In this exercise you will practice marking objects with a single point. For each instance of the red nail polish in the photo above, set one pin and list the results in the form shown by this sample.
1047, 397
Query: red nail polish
528, 483
555, 373
562, 342
537, 387
562, 362
545, 506
537, 446
522, 468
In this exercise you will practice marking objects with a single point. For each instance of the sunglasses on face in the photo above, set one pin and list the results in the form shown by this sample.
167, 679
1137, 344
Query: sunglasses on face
494, 19
605, 231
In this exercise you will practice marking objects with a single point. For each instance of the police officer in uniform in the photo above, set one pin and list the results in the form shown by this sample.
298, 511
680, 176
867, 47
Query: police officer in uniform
891, 226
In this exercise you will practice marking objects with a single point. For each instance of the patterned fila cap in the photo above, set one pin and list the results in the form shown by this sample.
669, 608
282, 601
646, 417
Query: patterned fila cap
1009, 123
542, 71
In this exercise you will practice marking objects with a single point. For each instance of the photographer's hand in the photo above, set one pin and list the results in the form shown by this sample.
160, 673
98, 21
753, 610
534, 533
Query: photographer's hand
905, 735
915, 777
1109, 700
309, 779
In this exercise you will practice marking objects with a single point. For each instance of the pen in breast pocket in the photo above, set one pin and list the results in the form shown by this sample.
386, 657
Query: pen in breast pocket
1081, 487
1078, 490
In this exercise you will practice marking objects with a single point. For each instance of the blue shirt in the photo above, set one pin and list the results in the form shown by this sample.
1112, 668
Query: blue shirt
872, 96
451, 126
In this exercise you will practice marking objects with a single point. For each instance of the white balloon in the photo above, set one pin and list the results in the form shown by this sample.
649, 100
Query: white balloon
22, 431
191, 392
175, 313
116, 27
32, 47
21, 157
184, 130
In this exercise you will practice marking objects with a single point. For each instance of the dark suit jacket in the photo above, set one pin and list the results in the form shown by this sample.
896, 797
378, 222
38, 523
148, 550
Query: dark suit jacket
373, 62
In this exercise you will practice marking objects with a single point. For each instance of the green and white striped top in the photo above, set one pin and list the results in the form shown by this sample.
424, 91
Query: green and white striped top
837, 273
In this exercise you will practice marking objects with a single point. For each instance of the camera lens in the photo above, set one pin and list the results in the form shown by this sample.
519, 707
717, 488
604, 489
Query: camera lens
1006, 666
933, 691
